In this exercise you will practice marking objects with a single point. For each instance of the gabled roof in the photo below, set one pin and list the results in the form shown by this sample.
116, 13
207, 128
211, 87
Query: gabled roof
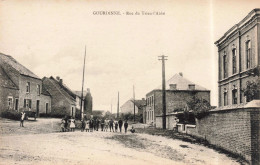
5, 80
65, 91
181, 83
6, 59
139, 103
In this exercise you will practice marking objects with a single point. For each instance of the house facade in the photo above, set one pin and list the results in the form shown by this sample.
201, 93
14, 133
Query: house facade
178, 92
20, 88
63, 99
238, 54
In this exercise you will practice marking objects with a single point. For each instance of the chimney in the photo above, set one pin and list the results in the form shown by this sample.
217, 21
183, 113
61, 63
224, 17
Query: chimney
181, 74
58, 78
61, 81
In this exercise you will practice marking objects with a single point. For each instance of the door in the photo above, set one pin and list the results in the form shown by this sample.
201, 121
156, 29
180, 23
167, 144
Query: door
16, 104
37, 107
47, 108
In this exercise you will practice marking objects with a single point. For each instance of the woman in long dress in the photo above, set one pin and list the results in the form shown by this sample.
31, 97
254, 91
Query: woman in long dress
87, 126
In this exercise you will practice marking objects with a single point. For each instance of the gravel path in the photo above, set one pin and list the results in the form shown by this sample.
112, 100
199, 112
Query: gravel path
32, 145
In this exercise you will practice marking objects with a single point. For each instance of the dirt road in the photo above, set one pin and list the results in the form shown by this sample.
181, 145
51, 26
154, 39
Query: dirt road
34, 146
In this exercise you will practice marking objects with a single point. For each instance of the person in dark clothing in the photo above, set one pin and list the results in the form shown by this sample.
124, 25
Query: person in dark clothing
91, 125
94, 124
102, 124
66, 123
111, 125
83, 125
126, 126
116, 126
97, 124
120, 123
132, 130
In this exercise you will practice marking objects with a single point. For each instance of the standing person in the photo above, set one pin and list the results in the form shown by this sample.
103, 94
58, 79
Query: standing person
94, 124
116, 126
120, 123
22, 118
66, 123
87, 126
126, 125
91, 125
106, 124
83, 125
111, 125
72, 124
97, 124
102, 124
62, 125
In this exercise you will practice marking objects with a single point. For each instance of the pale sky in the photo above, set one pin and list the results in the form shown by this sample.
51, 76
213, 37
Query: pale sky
49, 37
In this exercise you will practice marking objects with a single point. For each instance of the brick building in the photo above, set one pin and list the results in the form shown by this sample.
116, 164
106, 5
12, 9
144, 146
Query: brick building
238, 53
20, 89
178, 91
63, 99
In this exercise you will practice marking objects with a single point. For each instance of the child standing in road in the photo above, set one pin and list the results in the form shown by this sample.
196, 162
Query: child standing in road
72, 124
87, 126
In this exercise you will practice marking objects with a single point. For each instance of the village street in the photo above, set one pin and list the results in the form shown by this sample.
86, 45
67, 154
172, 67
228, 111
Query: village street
40, 142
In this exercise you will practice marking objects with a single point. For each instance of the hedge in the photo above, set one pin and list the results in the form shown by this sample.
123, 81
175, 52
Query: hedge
13, 115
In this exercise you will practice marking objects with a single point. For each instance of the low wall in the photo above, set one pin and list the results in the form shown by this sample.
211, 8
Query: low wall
235, 130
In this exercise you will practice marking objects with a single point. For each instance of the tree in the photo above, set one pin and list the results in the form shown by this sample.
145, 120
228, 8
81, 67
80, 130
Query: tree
252, 90
200, 107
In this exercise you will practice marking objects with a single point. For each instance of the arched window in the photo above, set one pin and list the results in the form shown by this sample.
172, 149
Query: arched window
248, 55
225, 65
234, 60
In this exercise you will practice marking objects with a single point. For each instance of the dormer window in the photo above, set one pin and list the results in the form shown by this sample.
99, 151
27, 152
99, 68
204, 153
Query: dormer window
191, 86
173, 86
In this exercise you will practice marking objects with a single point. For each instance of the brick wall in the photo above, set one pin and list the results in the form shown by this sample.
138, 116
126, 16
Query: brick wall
235, 130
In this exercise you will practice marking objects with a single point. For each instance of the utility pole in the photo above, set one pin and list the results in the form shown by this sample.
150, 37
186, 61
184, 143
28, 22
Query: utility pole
134, 101
118, 106
163, 58
81, 105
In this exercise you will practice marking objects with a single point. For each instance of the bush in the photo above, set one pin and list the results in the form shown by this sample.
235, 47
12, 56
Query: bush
200, 107
13, 115
45, 115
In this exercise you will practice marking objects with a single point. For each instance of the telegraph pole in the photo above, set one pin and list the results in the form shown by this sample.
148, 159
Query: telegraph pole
118, 106
81, 106
134, 101
163, 58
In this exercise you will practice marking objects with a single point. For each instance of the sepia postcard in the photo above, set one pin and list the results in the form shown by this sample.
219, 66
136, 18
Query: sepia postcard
133, 82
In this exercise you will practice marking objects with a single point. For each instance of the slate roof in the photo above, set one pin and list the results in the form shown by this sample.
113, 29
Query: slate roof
181, 83
5, 80
6, 59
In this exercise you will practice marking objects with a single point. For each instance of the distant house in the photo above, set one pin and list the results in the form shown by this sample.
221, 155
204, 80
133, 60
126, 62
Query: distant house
128, 106
179, 90
63, 99
78, 99
21, 89
88, 106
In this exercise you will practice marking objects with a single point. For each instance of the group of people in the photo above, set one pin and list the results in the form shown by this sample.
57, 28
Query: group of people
104, 124
94, 125
68, 124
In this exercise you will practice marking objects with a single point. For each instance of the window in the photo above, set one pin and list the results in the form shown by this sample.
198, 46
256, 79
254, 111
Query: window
225, 98
234, 60
248, 55
225, 65
27, 103
234, 96
173, 86
152, 100
10, 102
28, 87
72, 111
192, 86
38, 89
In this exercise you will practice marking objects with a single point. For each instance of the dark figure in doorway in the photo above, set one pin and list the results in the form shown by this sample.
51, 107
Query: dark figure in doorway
120, 123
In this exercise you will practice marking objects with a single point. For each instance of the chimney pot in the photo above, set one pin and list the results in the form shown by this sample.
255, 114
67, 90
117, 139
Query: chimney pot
181, 74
